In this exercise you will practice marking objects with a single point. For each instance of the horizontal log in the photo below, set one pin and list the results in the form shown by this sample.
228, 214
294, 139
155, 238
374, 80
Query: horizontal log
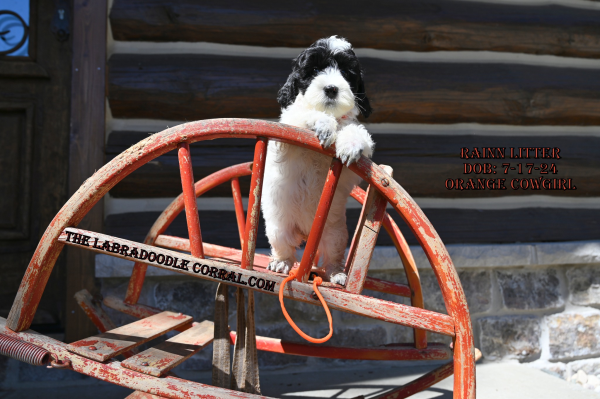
399, 25
455, 226
191, 87
421, 164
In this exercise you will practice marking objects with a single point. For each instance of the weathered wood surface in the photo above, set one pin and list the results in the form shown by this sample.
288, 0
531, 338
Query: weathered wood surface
365, 238
112, 372
116, 341
190, 87
455, 226
421, 163
86, 149
335, 297
399, 25
158, 360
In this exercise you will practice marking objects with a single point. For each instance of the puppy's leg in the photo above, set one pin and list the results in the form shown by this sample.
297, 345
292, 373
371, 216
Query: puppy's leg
283, 248
352, 141
325, 127
332, 247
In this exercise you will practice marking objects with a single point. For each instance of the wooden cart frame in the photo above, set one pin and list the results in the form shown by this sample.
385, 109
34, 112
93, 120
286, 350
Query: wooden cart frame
247, 265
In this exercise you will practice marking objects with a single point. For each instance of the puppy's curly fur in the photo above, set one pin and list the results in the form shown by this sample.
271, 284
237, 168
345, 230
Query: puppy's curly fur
325, 93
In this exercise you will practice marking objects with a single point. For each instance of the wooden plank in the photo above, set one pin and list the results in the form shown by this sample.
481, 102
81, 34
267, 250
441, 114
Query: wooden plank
93, 310
399, 25
157, 361
114, 342
422, 163
365, 238
137, 310
86, 151
264, 282
455, 226
191, 87
169, 386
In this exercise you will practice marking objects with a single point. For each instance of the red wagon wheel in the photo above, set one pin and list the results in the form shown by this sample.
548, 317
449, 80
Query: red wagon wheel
62, 230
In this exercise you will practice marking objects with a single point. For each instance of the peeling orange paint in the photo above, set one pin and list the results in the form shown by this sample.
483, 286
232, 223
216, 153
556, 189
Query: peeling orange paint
40, 267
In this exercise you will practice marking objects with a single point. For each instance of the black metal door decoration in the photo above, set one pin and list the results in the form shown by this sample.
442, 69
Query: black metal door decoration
13, 32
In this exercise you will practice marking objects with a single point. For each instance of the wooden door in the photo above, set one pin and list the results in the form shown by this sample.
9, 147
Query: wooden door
35, 90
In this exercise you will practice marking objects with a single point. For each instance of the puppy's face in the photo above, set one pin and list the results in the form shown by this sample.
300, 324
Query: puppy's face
329, 77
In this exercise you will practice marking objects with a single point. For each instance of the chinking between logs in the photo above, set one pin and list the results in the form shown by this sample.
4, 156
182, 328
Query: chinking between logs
166, 260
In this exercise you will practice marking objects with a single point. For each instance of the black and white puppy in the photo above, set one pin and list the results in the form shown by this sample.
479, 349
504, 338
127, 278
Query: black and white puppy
325, 93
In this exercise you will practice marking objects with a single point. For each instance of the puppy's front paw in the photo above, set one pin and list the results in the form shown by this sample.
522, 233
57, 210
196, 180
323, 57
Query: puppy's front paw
325, 128
351, 142
339, 278
349, 152
280, 266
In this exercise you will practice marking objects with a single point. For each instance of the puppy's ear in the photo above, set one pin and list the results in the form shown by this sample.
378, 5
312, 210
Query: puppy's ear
288, 93
362, 100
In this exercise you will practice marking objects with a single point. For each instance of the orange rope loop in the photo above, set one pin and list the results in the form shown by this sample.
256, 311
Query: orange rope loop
316, 282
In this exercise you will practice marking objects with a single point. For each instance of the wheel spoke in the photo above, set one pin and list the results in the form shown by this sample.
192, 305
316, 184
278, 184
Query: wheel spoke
365, 238
412, 274
408, 261
134, 289
189, 198
316, 230
253, 215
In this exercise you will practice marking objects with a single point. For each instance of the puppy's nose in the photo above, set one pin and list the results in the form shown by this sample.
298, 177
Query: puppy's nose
331, 91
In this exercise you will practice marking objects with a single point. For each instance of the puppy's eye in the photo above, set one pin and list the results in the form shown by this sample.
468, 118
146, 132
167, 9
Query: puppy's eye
345, 73
316, 70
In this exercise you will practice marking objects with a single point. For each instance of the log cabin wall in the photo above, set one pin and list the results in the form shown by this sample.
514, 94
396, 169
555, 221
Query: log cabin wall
441, 76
